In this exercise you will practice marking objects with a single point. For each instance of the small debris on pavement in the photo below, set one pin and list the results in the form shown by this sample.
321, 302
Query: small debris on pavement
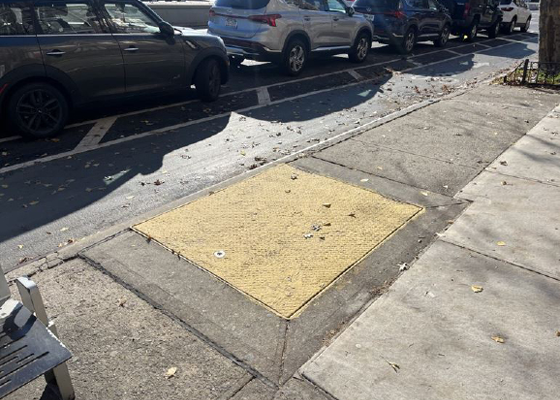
498, 339
63, 229
308, 235
353, 215
500, 243
293, 177
20, 246
558, 333
393, 365
158, 182
316, 227
288, 191
122, 301
504, 163
403, 267
171, 372
364, 180
477, 289
220, 254
424, 193
327, 205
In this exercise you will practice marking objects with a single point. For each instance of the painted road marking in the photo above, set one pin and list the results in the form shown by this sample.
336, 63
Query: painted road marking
9, 139
355, 74
94, 136
217, 116
263, 96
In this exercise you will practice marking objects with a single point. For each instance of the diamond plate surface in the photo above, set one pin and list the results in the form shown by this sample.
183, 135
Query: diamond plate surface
260, 235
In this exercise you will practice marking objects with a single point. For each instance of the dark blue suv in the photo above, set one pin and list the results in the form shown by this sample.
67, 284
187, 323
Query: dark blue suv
402, 23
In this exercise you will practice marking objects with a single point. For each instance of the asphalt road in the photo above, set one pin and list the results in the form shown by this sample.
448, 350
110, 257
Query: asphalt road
122, 160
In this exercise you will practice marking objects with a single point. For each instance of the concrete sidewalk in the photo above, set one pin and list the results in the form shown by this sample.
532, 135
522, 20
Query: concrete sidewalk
477, 316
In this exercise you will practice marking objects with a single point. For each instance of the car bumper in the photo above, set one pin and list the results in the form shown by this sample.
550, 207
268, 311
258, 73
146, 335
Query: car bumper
250, 50
506, 19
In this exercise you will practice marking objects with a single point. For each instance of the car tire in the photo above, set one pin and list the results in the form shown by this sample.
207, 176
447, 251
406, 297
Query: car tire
443, 37
527, 25
38, 110
236, 61
361, 48
295, 57
408, 41
494, 30
472, 31
208, 80
511, 26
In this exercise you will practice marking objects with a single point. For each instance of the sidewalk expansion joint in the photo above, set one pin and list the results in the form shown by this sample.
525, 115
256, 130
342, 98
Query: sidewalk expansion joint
500, 260
524, 178
182, 323
384, 177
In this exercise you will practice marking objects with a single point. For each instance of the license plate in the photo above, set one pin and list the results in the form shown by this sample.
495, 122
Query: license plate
370, 17
231, 22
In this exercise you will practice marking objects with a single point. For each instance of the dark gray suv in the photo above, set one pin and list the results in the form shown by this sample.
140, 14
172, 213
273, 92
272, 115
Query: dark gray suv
59, 54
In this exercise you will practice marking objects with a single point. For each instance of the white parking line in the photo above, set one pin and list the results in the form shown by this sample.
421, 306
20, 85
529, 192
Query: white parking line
95, 135
9, 139
416, 63
263, 96
484, 45
226, 114
355, 74
454, 52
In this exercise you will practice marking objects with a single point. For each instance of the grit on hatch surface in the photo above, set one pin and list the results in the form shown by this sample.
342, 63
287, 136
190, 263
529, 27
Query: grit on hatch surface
281, 236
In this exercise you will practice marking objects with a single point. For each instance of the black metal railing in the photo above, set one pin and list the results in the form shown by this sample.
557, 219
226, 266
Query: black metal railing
534, 73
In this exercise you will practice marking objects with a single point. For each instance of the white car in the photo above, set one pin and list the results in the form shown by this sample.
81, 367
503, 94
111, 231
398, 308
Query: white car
516, 14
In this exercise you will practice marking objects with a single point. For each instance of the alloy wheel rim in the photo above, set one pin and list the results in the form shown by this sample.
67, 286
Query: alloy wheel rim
297, 58
39, 111
445, 35
410, 41
362, 48
512, 26
214, 79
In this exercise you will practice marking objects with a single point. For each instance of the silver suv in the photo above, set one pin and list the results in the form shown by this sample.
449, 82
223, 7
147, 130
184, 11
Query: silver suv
289, 31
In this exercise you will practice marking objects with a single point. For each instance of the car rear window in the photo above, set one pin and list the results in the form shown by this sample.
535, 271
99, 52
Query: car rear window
379, 5
243, 4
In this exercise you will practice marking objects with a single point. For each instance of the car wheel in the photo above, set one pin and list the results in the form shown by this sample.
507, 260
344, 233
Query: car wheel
511, 26
361, 48
527, 25
409, 41
236, 61
494, 30
208, 80
472, 31
443, 37
295, 57
38, 110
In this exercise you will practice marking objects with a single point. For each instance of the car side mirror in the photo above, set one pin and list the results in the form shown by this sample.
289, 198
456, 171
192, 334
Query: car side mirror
166, 28
349, 11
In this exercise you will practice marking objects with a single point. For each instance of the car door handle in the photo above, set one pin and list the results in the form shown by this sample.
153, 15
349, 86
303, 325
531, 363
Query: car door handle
131, 49
335, 18
307, 18
56, 53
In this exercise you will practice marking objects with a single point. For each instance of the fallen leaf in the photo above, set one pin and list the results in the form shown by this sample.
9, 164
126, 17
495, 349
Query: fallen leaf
353, 215
158, 182
129, 197
242, 153
424, 193
64, 229
364, 180
395, 366
171, 372
327, 205
122, 301
33, 203
293, 177
558, 333
20, 246
500, 243
498, 339
504, 163
477, 289
504, 183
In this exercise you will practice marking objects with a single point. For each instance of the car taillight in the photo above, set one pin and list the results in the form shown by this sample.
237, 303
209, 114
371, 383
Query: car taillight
397, 14
212, 13
467, 9
269, 19
507, 9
